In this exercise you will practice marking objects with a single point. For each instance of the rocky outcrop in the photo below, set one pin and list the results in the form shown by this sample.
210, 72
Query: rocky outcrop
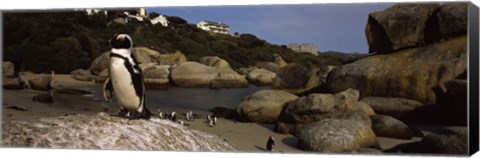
277, 59
84, 75
192, 74
41, 83
102, 76
316, 107
451, 103
336, 135
260, 77
411, 73
270, 66
145, 55
395, 107
400, 26
156, 77
409, 25
106, 132
9, 79
175, 58
296, 79
387, 126
263, 106
100, 63
214, 61
8, 69
450, 20
449, 140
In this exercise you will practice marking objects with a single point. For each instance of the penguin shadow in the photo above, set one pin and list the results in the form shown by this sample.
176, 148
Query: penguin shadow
260, 148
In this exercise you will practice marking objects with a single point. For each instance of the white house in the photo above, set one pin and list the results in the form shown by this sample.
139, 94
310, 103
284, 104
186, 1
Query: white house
95, 11
160, 19
305, 47
216, 27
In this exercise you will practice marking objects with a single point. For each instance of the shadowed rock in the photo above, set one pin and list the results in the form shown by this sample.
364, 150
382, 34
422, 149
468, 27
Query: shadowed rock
395, 107
449, 140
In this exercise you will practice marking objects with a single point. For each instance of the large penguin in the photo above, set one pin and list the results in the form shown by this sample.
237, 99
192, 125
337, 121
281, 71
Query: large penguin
126, 79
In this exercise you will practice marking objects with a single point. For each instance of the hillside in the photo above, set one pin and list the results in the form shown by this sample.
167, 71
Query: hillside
65, 41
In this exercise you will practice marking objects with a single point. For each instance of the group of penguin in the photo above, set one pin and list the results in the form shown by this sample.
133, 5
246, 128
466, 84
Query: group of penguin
212, 121
127, 84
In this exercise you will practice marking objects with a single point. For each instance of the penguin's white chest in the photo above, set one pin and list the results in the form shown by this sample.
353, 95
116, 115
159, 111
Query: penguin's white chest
123, 86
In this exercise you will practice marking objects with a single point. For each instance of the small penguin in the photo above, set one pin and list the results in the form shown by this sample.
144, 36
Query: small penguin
187, 115
190, 118
181, 122
161, 115
208, 119
213, 122
173, 117
126, 80
271, 144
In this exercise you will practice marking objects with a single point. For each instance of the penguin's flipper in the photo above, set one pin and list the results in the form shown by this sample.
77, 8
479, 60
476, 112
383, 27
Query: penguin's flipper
108, 90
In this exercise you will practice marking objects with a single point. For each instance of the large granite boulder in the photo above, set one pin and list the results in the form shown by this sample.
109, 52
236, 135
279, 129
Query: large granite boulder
263, 106
8, 69
270, 66
411, 73
451, 103
9, 79
400, 26
175, 58
106, 132
316, 107
296, 79
277, 59
193, 74
261, 77
449, 21
145, 55
100, 63
41, 82
449, 140
13, 83
84, 75
156, 77
214, 61
336, 135
387, 126
395, 107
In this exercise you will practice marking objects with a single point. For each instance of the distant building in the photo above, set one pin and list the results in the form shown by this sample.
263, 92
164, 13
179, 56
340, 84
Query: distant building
95, 11
305, 47
137, 13
216, 27
160, 19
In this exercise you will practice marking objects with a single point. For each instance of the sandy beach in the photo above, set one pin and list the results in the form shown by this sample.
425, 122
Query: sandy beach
247, 137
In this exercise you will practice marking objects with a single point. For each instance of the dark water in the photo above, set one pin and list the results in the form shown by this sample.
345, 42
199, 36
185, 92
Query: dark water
199, 100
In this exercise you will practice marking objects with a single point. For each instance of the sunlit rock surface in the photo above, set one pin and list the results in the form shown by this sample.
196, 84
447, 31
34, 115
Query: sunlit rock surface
106, 132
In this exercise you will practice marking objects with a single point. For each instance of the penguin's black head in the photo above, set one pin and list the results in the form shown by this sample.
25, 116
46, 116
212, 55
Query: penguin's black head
120, 40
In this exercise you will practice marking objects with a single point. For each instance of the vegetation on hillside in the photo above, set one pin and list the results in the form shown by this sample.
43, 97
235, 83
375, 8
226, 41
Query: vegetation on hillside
65, 41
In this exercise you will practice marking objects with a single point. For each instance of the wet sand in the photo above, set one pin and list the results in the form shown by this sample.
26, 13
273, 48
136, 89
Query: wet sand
247, 137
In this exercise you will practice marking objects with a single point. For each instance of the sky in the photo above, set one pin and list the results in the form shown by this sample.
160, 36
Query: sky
338, 27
